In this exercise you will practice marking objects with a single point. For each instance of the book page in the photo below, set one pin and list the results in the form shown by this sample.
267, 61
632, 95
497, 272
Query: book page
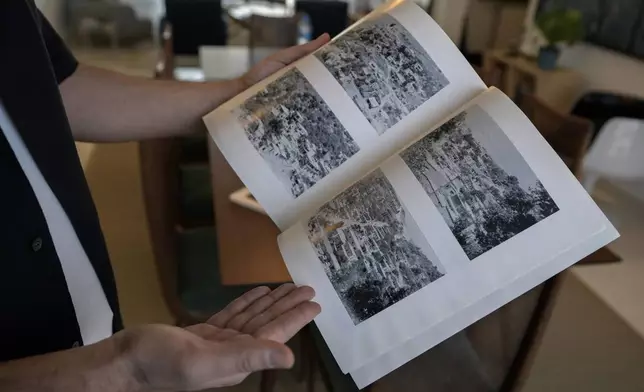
445, 329
315, 127
465, 219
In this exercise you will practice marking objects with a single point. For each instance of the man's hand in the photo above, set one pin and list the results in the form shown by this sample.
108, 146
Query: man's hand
281, 59
247, 336
104, 106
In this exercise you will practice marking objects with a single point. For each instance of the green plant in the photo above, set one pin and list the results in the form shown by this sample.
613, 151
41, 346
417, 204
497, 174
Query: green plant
561, 26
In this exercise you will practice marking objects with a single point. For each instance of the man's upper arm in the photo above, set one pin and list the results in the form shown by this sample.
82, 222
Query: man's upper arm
63, 61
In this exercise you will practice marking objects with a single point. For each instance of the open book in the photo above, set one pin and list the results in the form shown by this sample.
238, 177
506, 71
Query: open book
414, 199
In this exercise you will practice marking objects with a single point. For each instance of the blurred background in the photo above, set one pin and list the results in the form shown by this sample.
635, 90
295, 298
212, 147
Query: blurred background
181, 250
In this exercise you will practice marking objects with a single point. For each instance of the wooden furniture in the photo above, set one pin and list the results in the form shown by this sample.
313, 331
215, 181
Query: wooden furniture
248, 252
602, 256
164, 68
515, 75
568, 135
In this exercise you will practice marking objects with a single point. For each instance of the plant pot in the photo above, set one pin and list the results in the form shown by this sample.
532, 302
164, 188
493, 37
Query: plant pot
548, 57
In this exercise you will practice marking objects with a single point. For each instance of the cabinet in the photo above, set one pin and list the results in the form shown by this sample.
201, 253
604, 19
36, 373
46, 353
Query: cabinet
516, 74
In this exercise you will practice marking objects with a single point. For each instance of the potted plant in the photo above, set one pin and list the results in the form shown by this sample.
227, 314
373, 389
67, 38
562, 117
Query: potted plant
559, 27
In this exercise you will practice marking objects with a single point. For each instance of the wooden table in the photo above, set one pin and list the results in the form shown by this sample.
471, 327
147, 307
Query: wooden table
247, 240
560, 87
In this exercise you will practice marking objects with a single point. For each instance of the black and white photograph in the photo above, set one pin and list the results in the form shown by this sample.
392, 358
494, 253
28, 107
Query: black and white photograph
479, 182
372, 250
384, 70
295, 132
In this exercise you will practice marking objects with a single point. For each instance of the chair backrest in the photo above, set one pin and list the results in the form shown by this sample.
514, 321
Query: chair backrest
618, 150
272, 32
326, 16
568, 135
164, 68
195, 23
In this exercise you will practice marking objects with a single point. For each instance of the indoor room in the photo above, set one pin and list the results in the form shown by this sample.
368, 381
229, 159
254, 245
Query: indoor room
186, 237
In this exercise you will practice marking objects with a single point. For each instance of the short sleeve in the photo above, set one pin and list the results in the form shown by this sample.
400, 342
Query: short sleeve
62, 60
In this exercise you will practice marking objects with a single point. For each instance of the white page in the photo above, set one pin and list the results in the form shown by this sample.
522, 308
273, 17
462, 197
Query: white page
348, 140
416, 346
474, 281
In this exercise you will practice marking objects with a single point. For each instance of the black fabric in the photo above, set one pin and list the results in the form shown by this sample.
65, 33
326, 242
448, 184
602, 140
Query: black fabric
37, 315
195, 23
330, 17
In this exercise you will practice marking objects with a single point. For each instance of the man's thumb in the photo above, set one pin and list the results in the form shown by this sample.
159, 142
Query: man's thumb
256, 355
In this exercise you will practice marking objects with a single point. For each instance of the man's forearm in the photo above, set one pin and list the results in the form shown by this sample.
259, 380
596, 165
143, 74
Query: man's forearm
101, 367
104, 106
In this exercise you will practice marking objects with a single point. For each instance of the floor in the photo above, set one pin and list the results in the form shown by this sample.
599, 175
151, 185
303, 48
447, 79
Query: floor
113, 174
620, 285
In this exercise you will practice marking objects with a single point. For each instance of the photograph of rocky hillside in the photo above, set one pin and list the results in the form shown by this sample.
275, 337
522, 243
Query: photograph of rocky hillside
384, 70
482, 186
295, 132
371, 248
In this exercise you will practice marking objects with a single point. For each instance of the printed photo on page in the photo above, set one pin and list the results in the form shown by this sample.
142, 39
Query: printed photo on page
372, 250
295, 131
383, 69
482, 186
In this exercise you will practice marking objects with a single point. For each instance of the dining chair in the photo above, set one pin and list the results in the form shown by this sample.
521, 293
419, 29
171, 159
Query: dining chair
195, 23
164, 67
195, 195
330, 17
567, 134
272, 32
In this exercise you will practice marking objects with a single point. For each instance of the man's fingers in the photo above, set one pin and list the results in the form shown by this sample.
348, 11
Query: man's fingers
283, 305
289, 55
285, 326
259, 306
237, 306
